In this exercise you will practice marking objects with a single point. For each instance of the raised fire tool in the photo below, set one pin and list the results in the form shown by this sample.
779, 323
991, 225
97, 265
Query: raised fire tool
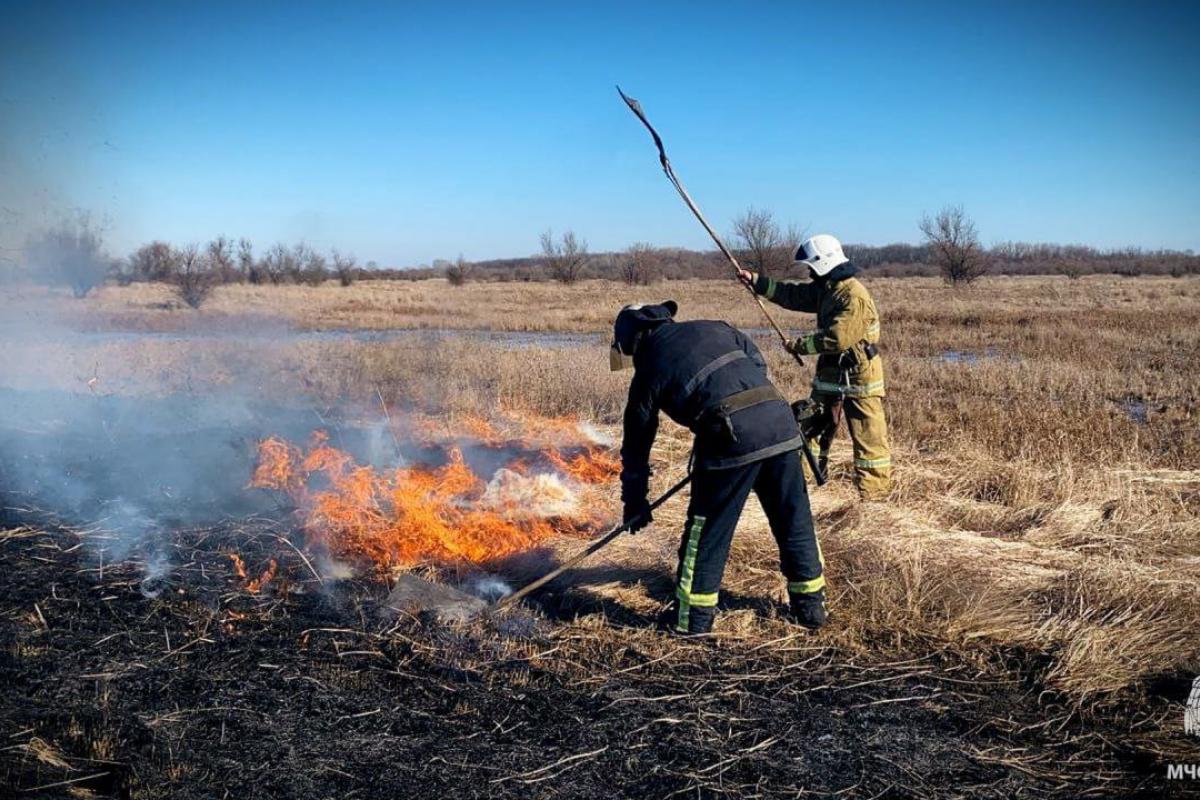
636, 108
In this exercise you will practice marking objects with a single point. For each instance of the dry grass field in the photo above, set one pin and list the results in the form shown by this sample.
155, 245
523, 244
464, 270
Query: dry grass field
1026, 602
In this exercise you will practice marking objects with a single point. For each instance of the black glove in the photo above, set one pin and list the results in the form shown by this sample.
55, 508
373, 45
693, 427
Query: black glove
637, 514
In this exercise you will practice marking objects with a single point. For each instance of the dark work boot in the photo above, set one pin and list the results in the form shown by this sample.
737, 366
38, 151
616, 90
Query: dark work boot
699, 621
808, 609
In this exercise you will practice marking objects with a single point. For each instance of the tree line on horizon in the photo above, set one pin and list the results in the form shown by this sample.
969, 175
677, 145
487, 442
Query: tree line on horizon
73, 254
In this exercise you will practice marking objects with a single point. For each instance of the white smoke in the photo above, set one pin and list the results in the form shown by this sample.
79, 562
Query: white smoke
541, 495
595, 435
487, 587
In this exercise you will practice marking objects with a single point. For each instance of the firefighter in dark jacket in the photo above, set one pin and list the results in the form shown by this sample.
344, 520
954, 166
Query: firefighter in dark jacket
710, 378
849, 377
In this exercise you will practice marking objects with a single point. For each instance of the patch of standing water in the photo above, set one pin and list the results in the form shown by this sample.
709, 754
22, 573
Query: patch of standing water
1137, 411
968, 357
511, 339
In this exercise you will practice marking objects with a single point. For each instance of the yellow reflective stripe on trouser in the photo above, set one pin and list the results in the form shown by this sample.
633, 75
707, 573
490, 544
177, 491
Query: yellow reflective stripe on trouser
698, 600
806, 587
873, 463
853, 390
687, 571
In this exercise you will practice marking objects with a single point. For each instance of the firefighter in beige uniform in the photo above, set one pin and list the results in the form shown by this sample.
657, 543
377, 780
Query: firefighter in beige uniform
849, 378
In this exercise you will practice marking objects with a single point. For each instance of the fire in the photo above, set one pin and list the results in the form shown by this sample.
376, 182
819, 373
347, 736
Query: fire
592, 465
253, 585
275, 457
445, 513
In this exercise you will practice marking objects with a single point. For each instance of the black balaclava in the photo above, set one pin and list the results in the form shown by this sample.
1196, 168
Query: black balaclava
631, 324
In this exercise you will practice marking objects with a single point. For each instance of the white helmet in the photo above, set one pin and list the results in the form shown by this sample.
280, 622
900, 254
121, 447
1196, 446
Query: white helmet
821, 253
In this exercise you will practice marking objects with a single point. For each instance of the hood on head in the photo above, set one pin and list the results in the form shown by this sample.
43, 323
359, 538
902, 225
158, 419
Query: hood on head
840, 273
631, 324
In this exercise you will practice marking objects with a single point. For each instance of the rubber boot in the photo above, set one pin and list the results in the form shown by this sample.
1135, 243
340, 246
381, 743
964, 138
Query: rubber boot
808, 609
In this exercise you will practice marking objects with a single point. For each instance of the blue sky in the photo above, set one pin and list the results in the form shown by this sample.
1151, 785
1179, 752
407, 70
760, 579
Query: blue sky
406, 132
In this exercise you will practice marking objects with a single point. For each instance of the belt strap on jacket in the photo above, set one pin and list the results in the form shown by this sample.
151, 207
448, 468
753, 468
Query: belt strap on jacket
848, 359
750, 397
719, 419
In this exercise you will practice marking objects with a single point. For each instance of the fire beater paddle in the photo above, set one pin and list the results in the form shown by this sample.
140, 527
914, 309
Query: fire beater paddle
636, 108
592, 548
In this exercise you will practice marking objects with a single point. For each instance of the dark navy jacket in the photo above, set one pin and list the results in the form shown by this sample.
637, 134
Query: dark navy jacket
686, 369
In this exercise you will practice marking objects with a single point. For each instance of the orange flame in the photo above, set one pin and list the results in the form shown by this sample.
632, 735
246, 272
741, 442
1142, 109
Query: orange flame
443, 514
592, 465
255, 585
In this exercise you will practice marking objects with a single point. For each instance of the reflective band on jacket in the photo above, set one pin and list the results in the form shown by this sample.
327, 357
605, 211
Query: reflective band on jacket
687, 571
873, 463
806, 587
853, 390
710, 368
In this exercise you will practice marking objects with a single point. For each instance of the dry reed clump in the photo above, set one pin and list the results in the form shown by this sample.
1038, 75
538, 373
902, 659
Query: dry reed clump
1109, 604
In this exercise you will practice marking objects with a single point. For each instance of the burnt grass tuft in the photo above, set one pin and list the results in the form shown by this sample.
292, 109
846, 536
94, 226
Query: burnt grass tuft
311, 690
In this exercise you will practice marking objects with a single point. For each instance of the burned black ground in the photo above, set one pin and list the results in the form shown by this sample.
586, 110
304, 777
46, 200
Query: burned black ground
314, 690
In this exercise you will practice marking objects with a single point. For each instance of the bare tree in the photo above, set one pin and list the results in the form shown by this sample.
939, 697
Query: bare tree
566, 258
639, 264
762, 246
954, 245
156, 261
71, 253
196, 276
220, 257
460, 271
248, 265
309, 265
1071, 267
277, 264
344, 267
